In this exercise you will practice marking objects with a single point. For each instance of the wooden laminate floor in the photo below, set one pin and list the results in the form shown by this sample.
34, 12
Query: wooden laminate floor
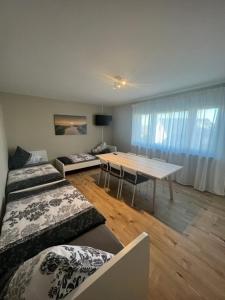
187, 256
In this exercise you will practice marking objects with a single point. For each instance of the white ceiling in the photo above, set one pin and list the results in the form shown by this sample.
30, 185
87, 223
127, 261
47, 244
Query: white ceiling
64, 49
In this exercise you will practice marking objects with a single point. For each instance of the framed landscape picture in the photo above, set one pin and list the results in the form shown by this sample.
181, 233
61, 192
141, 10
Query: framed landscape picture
70, 125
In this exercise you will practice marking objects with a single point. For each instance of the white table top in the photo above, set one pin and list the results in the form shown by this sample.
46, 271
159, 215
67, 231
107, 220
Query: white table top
147, 166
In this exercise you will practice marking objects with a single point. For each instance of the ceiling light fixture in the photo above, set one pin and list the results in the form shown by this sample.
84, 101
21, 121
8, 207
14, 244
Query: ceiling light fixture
119, 82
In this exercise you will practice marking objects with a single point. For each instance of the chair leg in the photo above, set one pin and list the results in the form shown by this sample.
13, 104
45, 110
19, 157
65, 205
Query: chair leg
134, 190
154, 192
99, 176
145, 188
171, 188
121, 187
105, 181
118, 190
108, 181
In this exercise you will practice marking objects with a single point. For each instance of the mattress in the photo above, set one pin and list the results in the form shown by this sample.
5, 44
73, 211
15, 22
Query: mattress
76, 158
27, 177
36, 220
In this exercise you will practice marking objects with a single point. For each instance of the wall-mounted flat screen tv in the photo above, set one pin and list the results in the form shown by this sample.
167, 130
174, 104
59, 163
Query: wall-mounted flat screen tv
103, 120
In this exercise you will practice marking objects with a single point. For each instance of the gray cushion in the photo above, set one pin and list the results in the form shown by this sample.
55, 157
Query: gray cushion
19, 159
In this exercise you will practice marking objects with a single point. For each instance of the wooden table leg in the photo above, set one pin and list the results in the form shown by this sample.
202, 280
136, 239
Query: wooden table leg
154, 192
171, 188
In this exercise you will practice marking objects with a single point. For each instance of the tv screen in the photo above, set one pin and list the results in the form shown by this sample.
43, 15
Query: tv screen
102, 120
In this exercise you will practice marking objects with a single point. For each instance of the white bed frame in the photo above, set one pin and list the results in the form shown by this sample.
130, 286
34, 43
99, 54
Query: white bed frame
81, 165
72, 167
124, 277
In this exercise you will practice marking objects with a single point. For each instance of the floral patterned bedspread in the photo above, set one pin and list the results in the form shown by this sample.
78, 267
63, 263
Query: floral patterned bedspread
54, 273
35, 220
31, 176
75, 158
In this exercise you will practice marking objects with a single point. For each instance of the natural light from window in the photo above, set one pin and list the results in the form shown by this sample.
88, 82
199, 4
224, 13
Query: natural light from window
179, 131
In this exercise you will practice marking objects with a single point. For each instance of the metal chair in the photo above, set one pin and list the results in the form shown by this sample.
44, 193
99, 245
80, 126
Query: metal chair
133, 177
115, 171
104, 168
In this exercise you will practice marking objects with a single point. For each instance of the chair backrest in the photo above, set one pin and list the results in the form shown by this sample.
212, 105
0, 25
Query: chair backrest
115, 166
104, 163
130, 171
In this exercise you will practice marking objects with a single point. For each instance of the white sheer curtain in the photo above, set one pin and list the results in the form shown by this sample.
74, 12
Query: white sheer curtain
186, 129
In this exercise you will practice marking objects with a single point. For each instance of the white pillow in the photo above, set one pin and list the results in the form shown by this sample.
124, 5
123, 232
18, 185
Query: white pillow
55, 272
99, 148
37, 157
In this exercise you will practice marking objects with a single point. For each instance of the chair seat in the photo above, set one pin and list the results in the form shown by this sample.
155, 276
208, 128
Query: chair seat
131, 178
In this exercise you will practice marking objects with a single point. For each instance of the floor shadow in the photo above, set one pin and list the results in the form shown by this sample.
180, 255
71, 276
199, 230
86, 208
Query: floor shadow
177, 214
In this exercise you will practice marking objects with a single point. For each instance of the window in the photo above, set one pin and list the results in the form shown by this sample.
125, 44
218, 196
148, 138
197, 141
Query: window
185, 131
203, 128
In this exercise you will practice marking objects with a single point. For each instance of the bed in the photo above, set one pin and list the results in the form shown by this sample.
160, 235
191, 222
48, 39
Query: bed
31, 176
37, 219
75, 162
79, 161
125, 276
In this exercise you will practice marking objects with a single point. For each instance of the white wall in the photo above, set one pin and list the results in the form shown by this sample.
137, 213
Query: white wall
29, 123
122, 127
3, 158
